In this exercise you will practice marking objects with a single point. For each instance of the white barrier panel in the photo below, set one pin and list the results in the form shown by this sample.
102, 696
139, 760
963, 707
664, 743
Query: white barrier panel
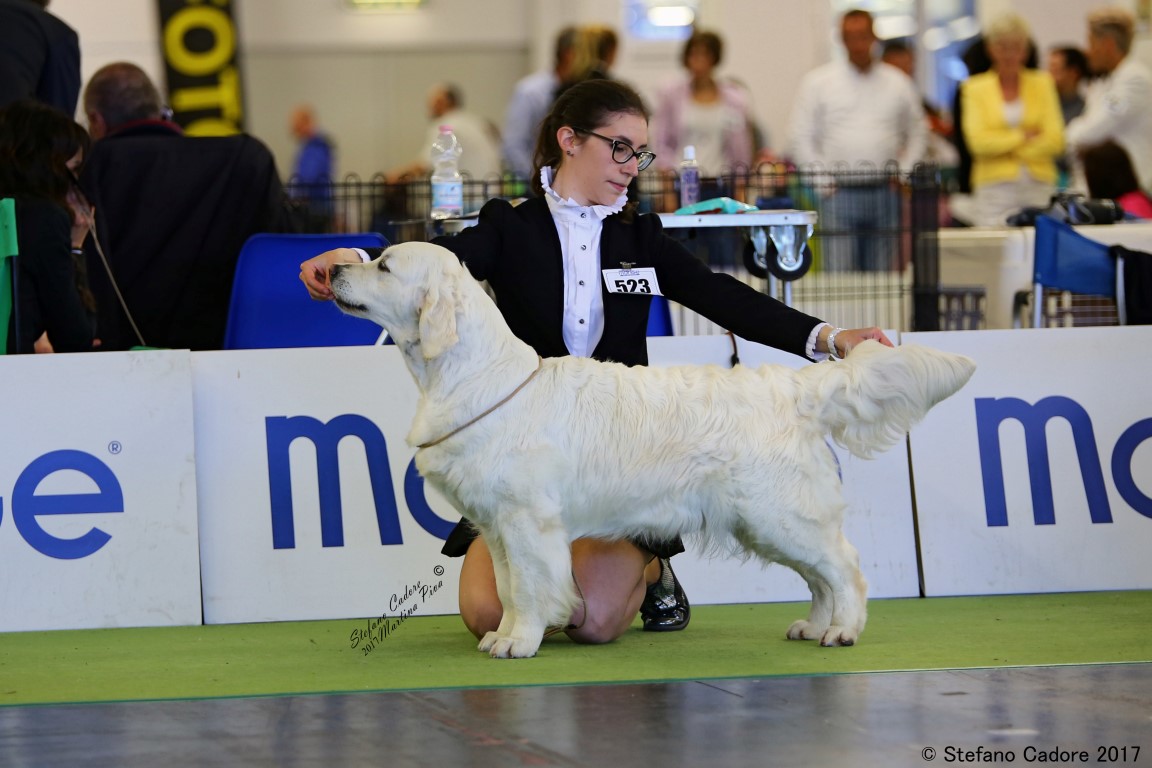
878, 521
97, 492
1037, 476
305, 512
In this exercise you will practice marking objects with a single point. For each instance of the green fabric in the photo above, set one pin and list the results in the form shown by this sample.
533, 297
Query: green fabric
436, 652
8, 249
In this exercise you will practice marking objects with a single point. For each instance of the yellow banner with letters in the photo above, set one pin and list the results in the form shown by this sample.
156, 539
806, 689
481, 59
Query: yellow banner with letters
200, 46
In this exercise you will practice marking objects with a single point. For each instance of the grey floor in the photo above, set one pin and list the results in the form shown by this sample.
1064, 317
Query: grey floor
888, 719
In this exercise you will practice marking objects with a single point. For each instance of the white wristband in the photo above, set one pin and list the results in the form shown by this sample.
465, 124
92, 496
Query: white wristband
832, 351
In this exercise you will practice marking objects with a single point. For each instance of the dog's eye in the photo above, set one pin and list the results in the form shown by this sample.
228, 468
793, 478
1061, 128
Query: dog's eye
382, 266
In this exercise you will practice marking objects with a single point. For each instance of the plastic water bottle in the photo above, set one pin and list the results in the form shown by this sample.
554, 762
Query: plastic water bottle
447, 183
689, 178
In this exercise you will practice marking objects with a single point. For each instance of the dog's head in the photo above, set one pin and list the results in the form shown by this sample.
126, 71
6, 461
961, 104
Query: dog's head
411, 290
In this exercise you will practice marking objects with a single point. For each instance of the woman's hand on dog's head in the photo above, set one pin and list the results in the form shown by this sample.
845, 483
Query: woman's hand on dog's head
314, 272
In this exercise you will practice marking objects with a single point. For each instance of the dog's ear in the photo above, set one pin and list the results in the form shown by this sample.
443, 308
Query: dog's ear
438, 319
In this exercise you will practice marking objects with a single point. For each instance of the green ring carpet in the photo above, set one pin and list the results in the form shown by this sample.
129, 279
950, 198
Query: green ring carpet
436, 652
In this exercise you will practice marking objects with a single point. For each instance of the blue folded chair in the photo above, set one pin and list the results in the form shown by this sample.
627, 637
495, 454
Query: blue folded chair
1065, 260
270, 307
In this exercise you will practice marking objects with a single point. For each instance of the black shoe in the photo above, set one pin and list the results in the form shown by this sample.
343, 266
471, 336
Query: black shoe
665, 607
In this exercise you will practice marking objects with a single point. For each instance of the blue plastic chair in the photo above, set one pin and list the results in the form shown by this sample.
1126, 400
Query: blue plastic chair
1065, 260
270, 307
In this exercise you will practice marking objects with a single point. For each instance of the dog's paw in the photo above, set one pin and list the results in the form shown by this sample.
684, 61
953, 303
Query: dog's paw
805, 630
488, 641
513, 648
834, 636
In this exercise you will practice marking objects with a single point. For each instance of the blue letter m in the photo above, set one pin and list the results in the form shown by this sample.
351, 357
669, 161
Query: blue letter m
990, 412
280, 431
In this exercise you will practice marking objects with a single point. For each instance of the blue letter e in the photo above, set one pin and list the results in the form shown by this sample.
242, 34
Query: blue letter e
26, 505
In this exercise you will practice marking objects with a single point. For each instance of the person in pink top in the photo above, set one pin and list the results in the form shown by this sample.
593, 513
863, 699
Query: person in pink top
705, 111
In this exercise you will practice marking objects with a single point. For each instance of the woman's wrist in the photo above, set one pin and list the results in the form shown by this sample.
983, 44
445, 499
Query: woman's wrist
830, 343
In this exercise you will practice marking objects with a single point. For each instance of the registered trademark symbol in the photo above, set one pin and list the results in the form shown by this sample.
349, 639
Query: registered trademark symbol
114, 447
438, 570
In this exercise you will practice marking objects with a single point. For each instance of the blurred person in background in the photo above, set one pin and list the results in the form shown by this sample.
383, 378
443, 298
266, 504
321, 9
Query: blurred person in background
702, 110
39, 56
1012, 125
593, 55
854, 126
41, 151
531, 99
1069, 69
479, 139
1109, 174
941, 149
312, 172
1118, 102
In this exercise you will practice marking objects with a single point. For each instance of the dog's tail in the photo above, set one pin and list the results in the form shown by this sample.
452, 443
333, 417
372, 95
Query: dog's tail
870, 400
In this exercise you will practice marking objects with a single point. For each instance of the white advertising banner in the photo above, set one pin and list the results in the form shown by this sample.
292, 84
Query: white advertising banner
1037, 476
97, 492
309, 505
878, 521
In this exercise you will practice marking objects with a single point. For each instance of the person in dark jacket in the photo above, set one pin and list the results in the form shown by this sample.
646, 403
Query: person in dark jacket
41, 148
175, 210
39, 56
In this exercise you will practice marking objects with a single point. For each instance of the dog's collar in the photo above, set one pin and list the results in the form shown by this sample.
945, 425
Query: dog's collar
462, 427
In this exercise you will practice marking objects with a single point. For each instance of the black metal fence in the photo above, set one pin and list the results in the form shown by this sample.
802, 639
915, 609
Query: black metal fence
874, 249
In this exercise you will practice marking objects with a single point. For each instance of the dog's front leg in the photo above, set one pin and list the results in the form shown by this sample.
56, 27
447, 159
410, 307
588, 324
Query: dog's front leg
503, 591
539, 589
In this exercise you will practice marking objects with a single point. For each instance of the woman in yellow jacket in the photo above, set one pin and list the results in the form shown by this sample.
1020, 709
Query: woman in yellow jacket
1012, 122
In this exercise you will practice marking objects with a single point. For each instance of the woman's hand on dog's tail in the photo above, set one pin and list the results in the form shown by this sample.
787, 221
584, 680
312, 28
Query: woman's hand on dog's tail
314, 272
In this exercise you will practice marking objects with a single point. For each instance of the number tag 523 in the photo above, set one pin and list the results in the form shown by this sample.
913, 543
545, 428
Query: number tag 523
641, 281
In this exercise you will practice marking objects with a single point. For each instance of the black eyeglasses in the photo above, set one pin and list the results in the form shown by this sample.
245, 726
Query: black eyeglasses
622, 151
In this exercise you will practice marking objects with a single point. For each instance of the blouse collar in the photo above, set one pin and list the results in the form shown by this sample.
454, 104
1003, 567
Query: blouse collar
567, 207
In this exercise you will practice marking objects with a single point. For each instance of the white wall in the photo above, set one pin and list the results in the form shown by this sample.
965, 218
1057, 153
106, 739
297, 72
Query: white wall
368, 72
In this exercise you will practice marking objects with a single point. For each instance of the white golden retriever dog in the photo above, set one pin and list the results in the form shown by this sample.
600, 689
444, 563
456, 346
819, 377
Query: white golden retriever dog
584, 448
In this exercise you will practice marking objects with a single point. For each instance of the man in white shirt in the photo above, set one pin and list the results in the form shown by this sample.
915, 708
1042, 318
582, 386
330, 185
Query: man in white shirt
852, 117
479, 148
1118, 104
479, 139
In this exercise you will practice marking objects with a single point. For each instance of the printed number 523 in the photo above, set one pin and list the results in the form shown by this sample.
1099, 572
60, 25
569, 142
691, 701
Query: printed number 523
633, 286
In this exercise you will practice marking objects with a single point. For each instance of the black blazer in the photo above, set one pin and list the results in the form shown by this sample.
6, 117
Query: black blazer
39, 56
517, 250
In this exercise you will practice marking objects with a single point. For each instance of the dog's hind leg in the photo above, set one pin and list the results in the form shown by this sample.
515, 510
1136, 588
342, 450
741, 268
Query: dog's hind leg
820, 611
539, 591
830, 565
850, 592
